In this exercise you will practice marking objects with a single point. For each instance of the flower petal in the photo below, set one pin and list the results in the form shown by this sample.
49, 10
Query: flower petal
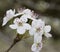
16, 21
48, 35
10, 13
13, 26
38, 23
47, 28
21, 30
32, 31
34, 23
33, 48
41, 32
24, 18
9, 16
5, 20
36, 47
37, 38
26, 26
27, 11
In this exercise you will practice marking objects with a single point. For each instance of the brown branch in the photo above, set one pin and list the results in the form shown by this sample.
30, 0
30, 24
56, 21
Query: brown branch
17, 39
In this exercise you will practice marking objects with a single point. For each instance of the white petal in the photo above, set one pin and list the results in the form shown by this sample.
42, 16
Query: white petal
9, 16
16, 20
34, 23
14, 11
5, 20
37, 38
38, 23
48, 35
32, 31
41, 23
33, 48
27, 11
47, 28
24, 18
21, 30
13, 26
26, 26
10, 13
41, 32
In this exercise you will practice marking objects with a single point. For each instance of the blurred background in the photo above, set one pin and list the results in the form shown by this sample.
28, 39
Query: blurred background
48, 10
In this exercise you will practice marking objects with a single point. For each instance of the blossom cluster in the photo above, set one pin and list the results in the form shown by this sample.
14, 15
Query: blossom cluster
37, 28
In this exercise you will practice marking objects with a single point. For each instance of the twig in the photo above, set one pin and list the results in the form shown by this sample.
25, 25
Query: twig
17, 39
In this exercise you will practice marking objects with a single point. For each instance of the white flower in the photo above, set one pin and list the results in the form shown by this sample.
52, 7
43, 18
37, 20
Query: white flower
36, 47
37, 27
47, 29
20, 25
9, 15
28, 13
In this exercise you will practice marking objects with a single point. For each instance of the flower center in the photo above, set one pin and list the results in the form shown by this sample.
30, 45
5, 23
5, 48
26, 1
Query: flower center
38, 30
20, 24
38, 45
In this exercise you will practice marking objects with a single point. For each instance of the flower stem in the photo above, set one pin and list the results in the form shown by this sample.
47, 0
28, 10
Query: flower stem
17, 39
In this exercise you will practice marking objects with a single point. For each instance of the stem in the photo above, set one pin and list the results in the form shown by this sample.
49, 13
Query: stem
17, 39
18, 14
10, 47
21, 14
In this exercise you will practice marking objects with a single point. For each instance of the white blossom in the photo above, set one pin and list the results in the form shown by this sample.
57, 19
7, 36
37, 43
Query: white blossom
37, 30
20, 25
28, 13
36, 47
37, 27
9, 15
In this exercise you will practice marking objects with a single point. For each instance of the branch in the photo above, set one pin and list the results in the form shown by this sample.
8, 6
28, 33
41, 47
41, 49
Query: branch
17, 39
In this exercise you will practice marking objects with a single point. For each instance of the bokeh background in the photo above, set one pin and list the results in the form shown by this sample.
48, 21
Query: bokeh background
48, 10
